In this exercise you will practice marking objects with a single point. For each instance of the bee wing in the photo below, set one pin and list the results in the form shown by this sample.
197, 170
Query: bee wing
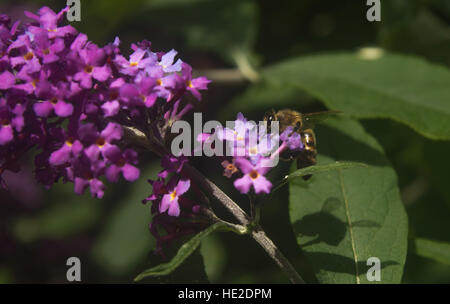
311, 119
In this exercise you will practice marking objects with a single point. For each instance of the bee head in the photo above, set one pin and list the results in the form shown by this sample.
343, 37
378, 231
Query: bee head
269, 116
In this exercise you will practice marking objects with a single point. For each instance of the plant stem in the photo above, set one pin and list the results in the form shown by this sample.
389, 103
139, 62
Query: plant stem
218, 194
266, 243
257, 234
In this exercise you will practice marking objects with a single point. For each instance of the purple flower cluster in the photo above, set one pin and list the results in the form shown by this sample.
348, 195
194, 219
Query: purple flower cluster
254, 151
69, 100
172, 211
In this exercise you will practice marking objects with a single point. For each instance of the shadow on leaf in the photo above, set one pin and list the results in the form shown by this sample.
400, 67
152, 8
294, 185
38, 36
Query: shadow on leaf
341, 264
328, 228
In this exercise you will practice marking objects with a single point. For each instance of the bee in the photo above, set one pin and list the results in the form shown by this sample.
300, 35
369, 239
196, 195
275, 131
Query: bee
303, 124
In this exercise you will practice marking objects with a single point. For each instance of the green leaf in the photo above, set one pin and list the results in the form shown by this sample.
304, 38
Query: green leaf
405, 89
438, 251
343, 217
184, 252
318, 169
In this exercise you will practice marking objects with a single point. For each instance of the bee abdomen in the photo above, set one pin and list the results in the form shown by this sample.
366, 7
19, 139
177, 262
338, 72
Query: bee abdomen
308, 140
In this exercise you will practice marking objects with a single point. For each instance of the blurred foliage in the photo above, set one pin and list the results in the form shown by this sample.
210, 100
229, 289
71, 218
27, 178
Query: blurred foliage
111, 235
124, 241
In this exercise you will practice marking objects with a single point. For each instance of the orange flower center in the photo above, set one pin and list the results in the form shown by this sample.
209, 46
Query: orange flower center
254, 174
100, 142
230, 167
28, 56
34, 82
88, 69
173, 195
70, 141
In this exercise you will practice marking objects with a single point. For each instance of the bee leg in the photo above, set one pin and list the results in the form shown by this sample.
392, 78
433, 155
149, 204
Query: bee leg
297, 127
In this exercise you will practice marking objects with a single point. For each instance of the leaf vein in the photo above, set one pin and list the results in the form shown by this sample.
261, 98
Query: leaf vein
350, 226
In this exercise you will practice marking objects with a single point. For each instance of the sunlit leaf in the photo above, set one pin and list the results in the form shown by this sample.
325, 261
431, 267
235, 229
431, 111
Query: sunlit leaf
341, 218
406, 89
318, 169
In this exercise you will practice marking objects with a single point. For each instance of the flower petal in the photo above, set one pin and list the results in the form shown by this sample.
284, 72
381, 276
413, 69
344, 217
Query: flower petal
43, 109
6, 134
261, 184
183, 186
130, 173
63, 109
243, 184
174, 208
165, 202
244, 164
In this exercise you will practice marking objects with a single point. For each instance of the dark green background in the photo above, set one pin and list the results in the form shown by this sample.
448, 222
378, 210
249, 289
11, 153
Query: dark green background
40, 229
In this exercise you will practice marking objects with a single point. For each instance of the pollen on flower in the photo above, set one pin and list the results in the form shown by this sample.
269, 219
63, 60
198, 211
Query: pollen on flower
88, 69
133, 63
53, 100
34, 82
189, 84
254, 174
100, 142
46, 51
69, 142
159, 82
28, 56
173, 195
